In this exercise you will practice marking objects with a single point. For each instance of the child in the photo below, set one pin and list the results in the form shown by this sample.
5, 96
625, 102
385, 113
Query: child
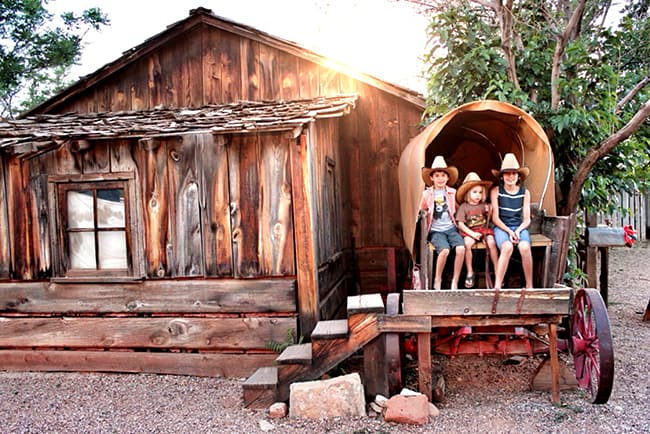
439, 200
473, 217
511, 217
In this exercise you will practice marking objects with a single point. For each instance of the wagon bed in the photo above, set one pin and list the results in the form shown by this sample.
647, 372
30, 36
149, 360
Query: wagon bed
484, 309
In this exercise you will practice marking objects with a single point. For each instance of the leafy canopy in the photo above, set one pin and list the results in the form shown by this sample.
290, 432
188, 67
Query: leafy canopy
37, 49
599, 67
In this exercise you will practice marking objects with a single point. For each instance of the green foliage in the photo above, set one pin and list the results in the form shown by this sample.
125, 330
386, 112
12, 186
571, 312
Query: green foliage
291, 339
37, 49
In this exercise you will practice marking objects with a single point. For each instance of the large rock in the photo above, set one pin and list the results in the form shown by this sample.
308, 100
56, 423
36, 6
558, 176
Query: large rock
339, 396
412, 409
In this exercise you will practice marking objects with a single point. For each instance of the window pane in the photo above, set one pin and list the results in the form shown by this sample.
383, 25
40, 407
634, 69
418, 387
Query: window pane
80, 209
110, 208
112, 249
82, 250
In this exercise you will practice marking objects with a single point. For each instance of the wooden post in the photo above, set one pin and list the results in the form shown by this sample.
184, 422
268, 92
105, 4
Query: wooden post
555, 363
604, 273
424, 364
590, 256
306, 267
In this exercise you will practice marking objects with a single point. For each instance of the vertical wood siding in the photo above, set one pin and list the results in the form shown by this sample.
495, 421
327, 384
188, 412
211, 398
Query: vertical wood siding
206, 206
4, 226
212, 66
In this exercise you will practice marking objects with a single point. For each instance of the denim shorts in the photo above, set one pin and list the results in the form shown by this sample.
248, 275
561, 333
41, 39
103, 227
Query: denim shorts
444, 240
501, 236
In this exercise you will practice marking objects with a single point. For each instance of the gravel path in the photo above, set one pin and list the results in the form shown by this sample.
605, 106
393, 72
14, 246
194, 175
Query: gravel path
483, 394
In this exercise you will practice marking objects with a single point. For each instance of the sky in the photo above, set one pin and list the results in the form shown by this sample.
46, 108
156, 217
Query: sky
384, 38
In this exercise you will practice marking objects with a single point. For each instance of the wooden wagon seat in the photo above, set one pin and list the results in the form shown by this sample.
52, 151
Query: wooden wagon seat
474, 137
537, 241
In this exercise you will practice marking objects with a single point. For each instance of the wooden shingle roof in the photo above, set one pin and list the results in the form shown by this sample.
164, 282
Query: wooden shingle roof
35, 132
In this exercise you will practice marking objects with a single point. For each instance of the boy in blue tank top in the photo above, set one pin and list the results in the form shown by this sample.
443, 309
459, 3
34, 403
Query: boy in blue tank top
511, 218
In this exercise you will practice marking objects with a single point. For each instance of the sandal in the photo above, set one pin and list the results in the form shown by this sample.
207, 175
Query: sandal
469, 281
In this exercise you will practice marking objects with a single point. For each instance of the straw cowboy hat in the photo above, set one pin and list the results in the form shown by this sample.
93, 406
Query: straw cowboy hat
471, 180
440, 164
510, 164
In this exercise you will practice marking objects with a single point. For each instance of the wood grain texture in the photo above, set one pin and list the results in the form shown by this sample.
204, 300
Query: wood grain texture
228, 365
155, 332
303, 209
5, 259
481, 301
151, 296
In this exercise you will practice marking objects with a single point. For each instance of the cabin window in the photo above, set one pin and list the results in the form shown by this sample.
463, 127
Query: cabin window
93, 228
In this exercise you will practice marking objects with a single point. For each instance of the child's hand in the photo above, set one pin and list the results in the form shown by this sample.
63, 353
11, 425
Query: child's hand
514, 237
476, 235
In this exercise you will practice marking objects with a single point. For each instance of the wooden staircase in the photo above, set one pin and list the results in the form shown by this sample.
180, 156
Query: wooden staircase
331, 343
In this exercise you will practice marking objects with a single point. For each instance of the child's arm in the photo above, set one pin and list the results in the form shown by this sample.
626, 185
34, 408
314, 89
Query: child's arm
463, 227
494, 200
526, 217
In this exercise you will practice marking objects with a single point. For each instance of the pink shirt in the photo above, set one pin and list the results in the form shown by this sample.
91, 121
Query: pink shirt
428, 199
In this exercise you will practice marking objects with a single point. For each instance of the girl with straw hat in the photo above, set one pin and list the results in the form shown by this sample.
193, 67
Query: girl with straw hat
473, 218
511, 217
439, 202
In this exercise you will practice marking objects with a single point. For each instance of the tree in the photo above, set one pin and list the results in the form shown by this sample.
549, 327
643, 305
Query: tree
37, 50
584, 81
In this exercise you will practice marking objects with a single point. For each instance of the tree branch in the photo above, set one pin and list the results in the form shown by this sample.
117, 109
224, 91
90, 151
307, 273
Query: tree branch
601, 150
632, 93
560, 45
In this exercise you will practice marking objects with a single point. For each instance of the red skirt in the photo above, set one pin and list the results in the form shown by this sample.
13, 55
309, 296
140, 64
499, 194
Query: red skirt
482, 230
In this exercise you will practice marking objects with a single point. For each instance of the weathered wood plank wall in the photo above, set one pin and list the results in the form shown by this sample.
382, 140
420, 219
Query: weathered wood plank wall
5, 253
193, 296
184, 188
209, 65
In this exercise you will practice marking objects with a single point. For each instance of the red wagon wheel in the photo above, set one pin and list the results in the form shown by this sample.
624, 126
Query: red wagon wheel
591, 345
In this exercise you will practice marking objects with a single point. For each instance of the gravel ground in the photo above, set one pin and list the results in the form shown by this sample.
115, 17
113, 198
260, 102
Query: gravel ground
483, 394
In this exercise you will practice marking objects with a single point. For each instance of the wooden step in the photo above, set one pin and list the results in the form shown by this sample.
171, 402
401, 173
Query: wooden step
333, 329
295, 354
260, 389
365, 303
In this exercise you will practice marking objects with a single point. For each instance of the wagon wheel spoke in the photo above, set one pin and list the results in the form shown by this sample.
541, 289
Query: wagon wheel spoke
591, 345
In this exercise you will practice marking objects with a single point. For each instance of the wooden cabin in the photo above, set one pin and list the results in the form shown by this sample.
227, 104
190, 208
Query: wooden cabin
195, 200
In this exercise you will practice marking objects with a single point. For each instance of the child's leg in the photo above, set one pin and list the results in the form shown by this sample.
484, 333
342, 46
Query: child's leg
456, 241
526, 262
458, 265
492, 250
505, 246
469, 242
440, 266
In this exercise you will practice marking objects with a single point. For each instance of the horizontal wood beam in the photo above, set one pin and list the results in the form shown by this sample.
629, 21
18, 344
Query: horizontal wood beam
404, 323
153, 332
201, 364
543, 301
494, 320
151, 296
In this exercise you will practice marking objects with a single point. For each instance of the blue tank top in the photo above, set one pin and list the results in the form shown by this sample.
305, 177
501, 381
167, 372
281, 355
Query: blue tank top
511, 206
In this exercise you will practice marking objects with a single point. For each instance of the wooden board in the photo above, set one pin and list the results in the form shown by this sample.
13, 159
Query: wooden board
228, 365
167, 296
605, 237
155, 332
480, 302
